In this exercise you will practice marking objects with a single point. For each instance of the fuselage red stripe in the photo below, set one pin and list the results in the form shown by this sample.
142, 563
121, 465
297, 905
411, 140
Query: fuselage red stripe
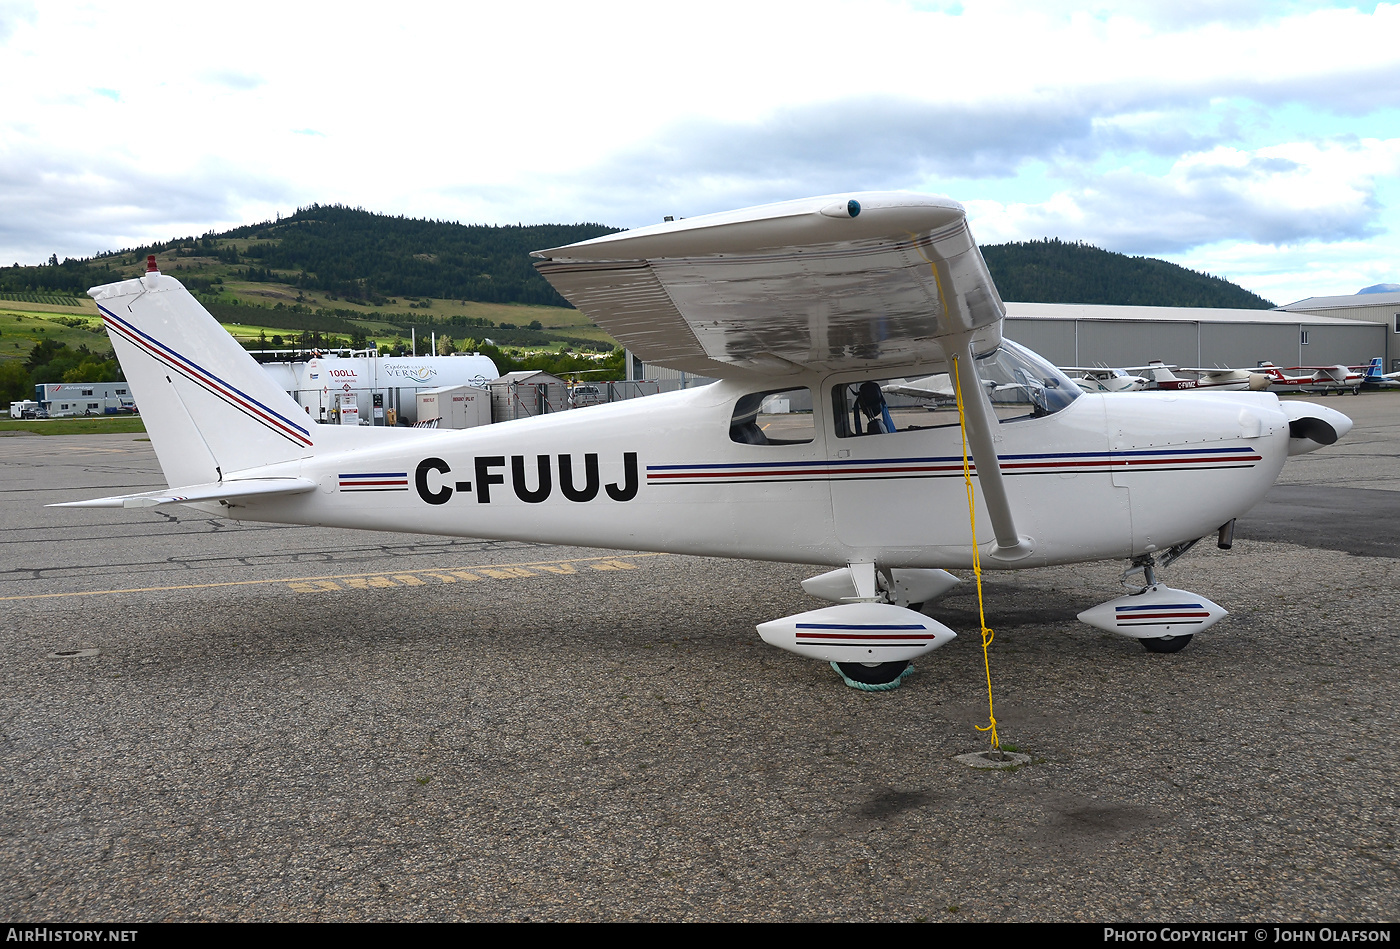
1155, 616
1136, 464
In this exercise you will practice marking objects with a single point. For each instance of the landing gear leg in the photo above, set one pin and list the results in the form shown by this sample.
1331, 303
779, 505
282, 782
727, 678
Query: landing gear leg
1160, 644
1157, 615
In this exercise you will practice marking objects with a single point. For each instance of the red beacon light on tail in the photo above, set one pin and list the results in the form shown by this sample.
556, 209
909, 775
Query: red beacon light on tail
151, 278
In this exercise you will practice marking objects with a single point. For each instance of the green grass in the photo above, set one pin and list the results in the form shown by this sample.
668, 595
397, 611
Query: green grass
50, 299
20, 330
101, 425
374, 320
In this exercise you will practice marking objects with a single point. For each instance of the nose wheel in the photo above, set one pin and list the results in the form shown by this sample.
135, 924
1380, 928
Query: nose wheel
1167, 643
1162, 618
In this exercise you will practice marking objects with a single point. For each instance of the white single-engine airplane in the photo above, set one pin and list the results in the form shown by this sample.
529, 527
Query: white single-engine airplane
1104, 378
1222, 380
803, 310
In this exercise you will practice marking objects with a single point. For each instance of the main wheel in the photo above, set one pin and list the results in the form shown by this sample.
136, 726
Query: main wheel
882, 673
1166, 643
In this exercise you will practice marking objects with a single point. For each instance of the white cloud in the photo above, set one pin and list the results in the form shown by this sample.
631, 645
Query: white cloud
1310, 269
1137, 124
77, 212
13, 15
1281, 195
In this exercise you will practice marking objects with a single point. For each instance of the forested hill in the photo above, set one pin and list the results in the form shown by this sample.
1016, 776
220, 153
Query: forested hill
355, 256
1056, 271
358, 255
345, 253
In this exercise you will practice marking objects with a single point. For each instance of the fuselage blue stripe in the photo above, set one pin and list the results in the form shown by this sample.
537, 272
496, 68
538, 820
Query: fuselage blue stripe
867, 626
1164, 454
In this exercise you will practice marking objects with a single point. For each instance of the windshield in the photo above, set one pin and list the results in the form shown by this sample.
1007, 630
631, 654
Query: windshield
1022, 384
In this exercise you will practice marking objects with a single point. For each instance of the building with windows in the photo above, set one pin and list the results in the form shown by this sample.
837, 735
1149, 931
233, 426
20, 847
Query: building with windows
1382, 308
84, 398
1069, 334
1084, 335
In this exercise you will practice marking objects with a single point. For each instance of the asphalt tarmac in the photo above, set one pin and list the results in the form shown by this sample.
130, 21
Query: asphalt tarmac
208, 721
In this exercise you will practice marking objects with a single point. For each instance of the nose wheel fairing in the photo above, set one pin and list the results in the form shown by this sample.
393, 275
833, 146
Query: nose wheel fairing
1156, 612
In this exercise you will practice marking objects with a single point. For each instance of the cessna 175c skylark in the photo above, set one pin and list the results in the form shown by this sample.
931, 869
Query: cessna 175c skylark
803, 310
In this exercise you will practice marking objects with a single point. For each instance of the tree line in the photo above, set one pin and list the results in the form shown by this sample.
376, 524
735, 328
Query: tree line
52, 361
1056, 271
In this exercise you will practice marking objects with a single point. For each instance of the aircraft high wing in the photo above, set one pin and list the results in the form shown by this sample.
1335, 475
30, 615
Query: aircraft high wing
929, 391
817, 316
818, 284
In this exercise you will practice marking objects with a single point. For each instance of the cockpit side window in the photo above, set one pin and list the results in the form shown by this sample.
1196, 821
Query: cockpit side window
776, 417
885, 406
1018, 383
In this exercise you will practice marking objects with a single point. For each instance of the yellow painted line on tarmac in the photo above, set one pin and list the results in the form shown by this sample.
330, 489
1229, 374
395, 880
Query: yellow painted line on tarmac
366, 581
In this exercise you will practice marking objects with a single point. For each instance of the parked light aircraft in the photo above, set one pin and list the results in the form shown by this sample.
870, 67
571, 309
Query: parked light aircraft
1318, 379
1377, 376
1104, 379
802, 310
1224, 380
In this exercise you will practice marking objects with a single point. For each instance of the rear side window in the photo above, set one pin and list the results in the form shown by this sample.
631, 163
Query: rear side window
776, 417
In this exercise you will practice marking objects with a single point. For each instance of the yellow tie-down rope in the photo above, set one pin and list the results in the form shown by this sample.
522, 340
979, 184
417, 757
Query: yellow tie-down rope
991, 725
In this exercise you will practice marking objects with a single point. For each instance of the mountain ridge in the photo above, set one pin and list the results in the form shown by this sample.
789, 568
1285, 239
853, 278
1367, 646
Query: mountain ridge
369, 259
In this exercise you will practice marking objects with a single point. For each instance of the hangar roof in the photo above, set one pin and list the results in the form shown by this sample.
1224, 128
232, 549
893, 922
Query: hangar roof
1171, 314
1388, 298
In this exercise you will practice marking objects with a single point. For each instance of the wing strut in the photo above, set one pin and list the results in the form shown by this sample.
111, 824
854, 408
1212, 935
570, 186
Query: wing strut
980, 423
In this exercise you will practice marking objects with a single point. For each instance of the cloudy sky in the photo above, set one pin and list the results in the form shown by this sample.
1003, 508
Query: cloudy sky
1254, 139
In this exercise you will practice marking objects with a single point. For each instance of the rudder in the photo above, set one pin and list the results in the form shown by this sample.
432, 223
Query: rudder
209, 408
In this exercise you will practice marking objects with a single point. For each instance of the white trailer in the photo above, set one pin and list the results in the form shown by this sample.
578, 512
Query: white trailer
455, 406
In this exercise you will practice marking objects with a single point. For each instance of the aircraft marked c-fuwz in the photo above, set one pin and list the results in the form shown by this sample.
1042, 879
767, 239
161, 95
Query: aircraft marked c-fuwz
834, 326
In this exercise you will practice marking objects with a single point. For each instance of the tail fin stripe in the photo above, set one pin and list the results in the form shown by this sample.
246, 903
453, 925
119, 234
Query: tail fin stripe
212, 383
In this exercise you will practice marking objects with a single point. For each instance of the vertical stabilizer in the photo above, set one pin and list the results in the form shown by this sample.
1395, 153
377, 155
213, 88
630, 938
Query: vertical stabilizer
209, 407
1161, 373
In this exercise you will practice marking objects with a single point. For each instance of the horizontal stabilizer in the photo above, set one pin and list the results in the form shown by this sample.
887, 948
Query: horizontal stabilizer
214, 491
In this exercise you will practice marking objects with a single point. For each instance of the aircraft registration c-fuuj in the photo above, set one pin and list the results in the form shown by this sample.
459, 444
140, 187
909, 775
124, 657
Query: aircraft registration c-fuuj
812, 314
